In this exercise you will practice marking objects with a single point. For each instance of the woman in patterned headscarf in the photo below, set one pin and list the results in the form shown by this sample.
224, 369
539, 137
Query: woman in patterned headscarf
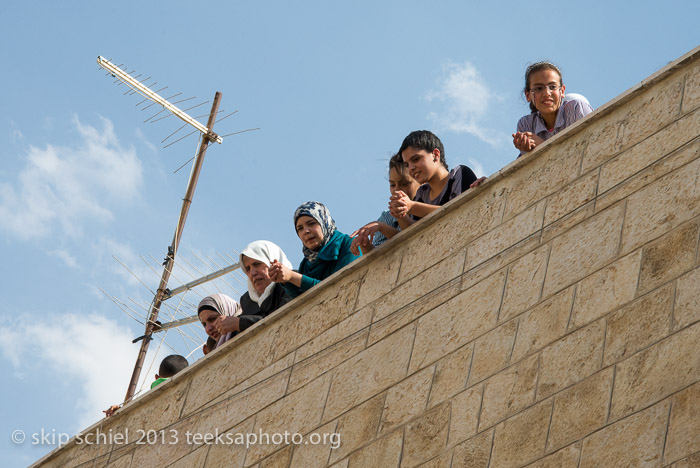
219, 316
326, 250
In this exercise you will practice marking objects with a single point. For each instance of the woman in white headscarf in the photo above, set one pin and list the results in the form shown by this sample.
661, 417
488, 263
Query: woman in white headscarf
219, 316
263, 296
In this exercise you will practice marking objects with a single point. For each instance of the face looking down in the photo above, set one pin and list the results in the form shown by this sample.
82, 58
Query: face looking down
257, 273
422, 165
208, 317
310, 232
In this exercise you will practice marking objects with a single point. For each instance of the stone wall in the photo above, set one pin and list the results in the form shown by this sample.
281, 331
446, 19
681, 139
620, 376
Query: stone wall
550, 318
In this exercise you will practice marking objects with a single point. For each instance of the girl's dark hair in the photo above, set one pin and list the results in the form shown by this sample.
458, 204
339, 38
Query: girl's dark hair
396, 162
424, 140
536, 67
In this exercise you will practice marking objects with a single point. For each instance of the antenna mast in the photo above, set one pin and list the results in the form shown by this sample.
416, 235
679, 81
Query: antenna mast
207, 136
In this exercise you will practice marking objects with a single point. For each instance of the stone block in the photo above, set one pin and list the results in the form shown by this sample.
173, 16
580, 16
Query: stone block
307, 455
357, 427
380, 278
426, 436
567, 457
171, 449
649, 151
419, 286
568, 221
442, 461
580, 410
648, 175
192, 460
521, 439
505, 235
639, 324
543, 324
692, 461
411, 312
656, 372
457, 321
553, 170
644, 115
492, 352
571, 359
573, 196
384, 452
450, 375
473, 453
683, 437
691, 92
508, 392
371, 372
687, 306
606, 289
320, 363
356, 322
226, 455
584, 249
406, 400
270, 371
668, 257
279, 459
524, 283
635, 441
299, 411
465, 415
662, 206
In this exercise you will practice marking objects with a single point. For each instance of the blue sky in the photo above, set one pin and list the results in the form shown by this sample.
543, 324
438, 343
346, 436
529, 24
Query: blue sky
334, 87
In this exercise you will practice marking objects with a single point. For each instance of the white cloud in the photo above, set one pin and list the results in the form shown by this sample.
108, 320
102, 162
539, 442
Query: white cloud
67, 258
477, 167
62, 188
90, 350
467, 99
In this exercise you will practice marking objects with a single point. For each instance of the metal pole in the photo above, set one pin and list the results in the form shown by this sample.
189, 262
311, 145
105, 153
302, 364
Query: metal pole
172, 251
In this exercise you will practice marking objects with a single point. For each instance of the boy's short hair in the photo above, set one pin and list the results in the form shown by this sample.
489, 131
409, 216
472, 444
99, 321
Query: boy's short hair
424, 140
171, 365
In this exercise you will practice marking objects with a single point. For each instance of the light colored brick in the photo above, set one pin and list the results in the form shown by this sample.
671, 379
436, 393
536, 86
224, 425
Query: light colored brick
543, 324
225, 455
380, 278
661, 206
606, 289
508, 392
646, 153
337, 333
372, 371
357, 427
384, 452
308, 455
465, 414
442, 461
687, 307
648, 175
320, 363
473, 453
521, 439
683, 437
457, 322
635, 441
656, 372
450, 375
193, 460
567, 457
580, 410
571, 359
638, 325
406, 399
492, 352
668, 257
505, 235
568, 221
583, 249
692, 461
426, 436
691, 93
576, 194
524, 283
279, 459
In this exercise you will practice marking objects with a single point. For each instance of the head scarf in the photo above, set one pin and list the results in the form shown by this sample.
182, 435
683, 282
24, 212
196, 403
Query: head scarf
263, 251
224, 306
320, 213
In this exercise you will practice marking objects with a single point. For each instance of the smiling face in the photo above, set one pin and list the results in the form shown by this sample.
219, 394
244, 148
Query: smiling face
257, 273
310, 232
422, 165
546, 101
208, 317
406, 184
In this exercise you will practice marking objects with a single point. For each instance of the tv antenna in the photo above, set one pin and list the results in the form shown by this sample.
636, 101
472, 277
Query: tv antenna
207, 136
